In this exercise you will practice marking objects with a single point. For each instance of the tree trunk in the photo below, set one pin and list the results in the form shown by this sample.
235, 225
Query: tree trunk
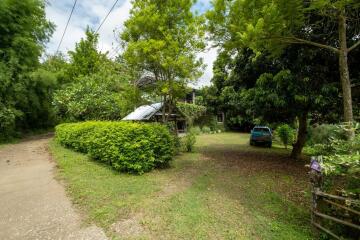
344, 74
170, 109
164, 109
301, 137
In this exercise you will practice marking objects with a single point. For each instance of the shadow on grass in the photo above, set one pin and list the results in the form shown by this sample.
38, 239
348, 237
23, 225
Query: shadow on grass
270, 187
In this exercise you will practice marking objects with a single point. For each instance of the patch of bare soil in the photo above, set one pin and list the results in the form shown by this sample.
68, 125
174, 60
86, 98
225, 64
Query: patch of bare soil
178, 183
129, 228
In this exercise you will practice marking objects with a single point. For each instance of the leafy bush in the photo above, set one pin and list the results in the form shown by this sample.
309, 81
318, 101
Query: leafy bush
286, 134
206, 129
341, 159
322, 134
94, 97
196, 130
127, 147
341, 176
178, 145
189, 141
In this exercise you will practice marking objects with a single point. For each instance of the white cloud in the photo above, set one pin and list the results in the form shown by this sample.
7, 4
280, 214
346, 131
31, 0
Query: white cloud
86, 13
209, 56
109, 33
90, 13
73, 34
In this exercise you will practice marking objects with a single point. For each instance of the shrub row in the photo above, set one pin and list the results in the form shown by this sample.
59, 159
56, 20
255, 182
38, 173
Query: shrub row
128, 147
205, 129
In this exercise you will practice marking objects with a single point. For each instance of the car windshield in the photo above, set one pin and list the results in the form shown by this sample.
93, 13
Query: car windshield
262, 130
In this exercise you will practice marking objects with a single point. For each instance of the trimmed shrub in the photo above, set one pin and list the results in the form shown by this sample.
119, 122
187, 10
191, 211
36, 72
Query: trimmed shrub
127, 147
286, 134
196, 130
206, 129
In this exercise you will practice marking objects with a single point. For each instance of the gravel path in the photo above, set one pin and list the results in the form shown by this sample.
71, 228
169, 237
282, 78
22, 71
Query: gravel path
33, 205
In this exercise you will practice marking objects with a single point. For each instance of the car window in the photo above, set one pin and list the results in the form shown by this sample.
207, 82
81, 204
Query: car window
262, 130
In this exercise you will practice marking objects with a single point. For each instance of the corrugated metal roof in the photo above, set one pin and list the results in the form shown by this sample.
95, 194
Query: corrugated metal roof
144, 112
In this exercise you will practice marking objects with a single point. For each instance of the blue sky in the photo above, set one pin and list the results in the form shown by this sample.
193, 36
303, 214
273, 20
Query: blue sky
90, 13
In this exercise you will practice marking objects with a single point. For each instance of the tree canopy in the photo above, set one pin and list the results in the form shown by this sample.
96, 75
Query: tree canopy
266, 25
163, 38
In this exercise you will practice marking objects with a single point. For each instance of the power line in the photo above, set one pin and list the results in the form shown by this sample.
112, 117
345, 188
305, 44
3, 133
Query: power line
112, 8
67, 24
114, 51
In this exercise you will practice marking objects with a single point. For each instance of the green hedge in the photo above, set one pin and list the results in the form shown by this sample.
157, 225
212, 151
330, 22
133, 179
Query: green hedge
128, 147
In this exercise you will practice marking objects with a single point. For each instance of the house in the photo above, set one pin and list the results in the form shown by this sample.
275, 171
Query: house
154, 113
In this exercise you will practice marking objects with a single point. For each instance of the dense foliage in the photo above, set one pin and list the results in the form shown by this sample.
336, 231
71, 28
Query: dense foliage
340, 166
97, 88
24, 91
127, 147
88, 100
323, 133
341, 159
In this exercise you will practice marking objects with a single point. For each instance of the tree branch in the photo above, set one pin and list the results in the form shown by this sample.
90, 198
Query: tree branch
354, 46
303, 41
295, 40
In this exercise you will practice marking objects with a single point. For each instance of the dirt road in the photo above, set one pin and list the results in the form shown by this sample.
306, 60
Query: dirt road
33, 204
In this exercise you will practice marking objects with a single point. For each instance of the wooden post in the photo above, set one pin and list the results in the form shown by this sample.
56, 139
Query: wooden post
316, 183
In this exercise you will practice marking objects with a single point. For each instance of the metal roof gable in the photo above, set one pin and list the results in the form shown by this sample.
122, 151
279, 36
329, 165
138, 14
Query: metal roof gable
144, 112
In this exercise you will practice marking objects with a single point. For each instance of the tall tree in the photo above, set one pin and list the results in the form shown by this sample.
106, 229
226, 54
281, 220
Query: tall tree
303, 88
86, 59
163, 38
271, 25
24, 30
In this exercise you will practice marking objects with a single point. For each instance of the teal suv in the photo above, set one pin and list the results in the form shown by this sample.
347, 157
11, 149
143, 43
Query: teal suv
261, 135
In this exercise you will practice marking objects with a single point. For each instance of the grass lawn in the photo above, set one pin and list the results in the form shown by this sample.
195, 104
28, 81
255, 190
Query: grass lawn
226, 189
